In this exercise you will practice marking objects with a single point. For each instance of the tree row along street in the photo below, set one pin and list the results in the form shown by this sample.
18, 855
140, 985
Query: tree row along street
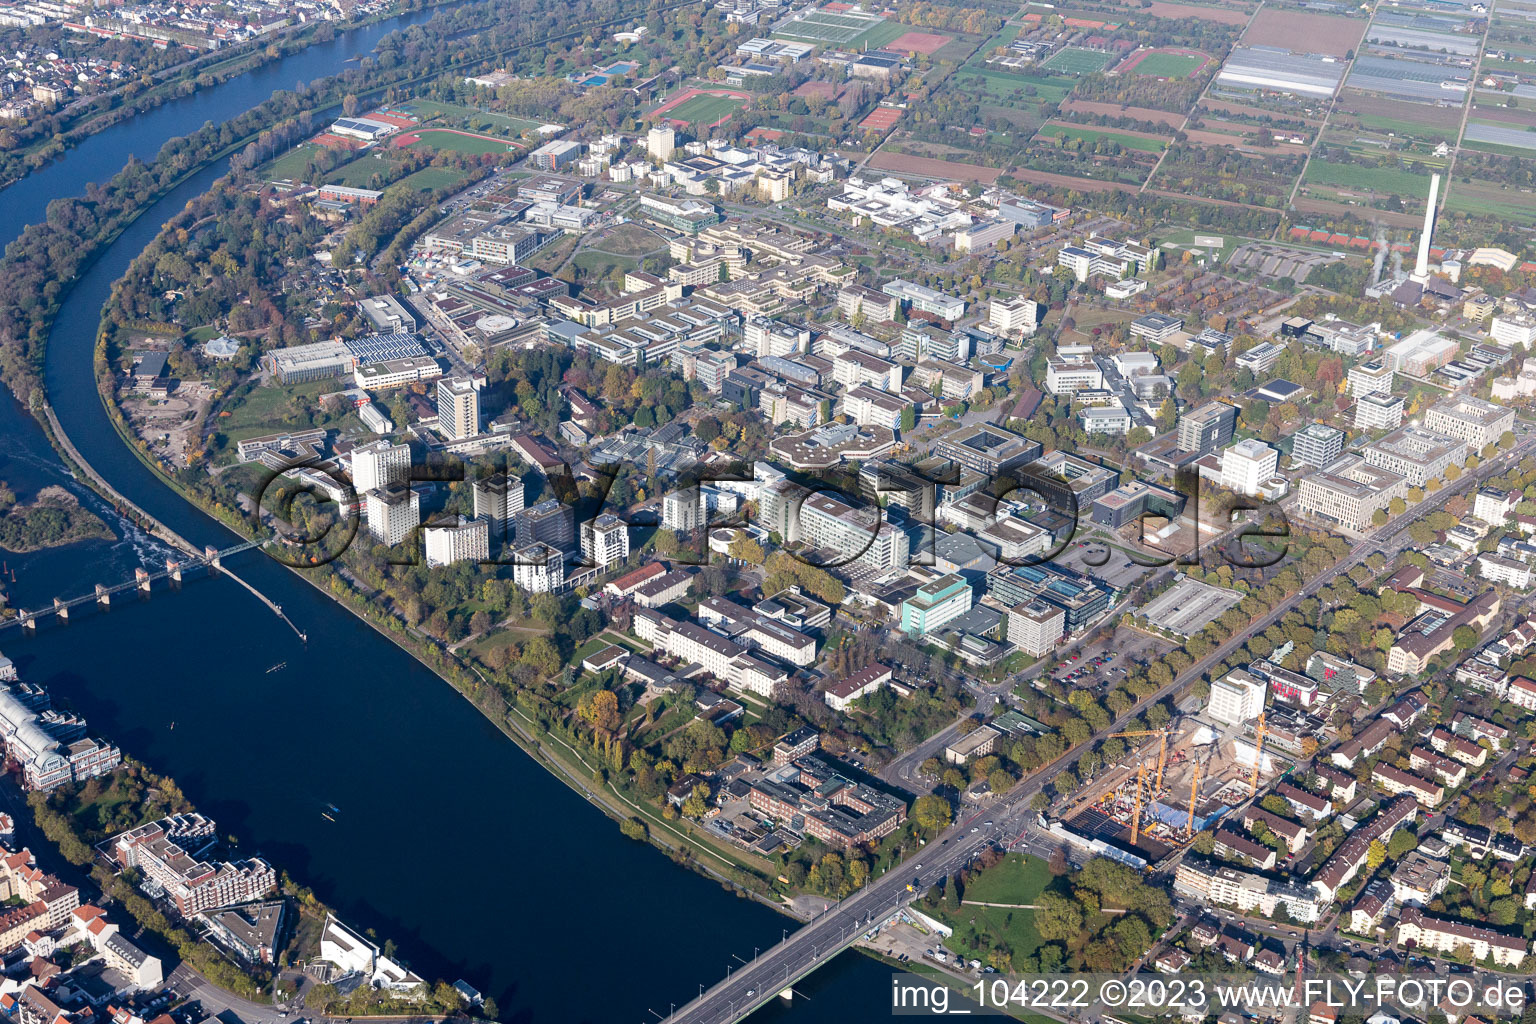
770, 972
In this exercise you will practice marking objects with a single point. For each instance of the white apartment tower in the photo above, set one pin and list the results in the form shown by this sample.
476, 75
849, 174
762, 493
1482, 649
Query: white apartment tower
458, 408
457, 540
393, 512
1237, 697
1247, 465
498, 499
605, 540
660, 141
378, 464
538, 568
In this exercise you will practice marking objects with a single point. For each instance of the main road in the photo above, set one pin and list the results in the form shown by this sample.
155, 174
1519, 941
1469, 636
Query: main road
749, 985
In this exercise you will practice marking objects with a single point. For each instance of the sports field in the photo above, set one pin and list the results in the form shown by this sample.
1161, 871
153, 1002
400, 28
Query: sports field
700, 108
469, 117
1074, 60
455, 141
1167, 65
291, 164
837, 28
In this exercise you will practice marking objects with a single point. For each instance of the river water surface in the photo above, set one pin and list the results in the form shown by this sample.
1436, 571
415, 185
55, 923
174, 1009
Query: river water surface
450, 840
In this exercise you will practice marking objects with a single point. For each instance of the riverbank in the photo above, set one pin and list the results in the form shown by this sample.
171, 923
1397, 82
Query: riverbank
559, 757
180, 80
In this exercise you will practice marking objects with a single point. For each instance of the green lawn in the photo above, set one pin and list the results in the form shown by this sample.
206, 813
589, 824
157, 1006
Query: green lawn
359, 173
704, 109
429, 178
1058, 131
441, 139
1167, 65
1383, 180
271, 409
881, 34
1018, 879
291, 164
1074, 60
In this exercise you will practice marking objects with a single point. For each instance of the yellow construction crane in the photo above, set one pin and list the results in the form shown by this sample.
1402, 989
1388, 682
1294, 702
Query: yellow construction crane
1141, 774
1258, 757
1194, 794
1162, 750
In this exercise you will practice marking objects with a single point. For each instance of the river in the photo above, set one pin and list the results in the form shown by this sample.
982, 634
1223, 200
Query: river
450, 840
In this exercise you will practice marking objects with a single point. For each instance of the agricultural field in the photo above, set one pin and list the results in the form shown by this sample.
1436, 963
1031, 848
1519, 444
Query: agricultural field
1074, 60
1234, 12
1374, 184
1093, 153
932, 167
1499, 137
1490, 199
1305, 32
1130, 140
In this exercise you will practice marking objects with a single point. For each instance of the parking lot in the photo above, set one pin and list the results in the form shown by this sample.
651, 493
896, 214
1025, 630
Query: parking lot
1116, 569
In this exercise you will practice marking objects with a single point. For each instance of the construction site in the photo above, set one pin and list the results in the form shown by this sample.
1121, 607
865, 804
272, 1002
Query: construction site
1170, 784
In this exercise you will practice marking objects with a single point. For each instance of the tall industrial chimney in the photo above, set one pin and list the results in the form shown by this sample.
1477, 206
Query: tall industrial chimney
1421, 268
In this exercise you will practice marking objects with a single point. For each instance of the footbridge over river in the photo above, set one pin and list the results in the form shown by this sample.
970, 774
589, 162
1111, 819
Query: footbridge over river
176, 569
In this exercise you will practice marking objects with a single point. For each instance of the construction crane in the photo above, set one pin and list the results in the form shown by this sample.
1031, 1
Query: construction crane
1162, 750
1258, 757
1194, 794
1141, 774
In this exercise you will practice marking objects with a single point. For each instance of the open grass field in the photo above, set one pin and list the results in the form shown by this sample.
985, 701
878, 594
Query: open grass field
1378, 180
429, 179
481, 119
1057, 130
1074, 60
1001, 85
358, 173
1018, 880
291, 164
1167, 65
455, 141
1488, 198
877, 36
